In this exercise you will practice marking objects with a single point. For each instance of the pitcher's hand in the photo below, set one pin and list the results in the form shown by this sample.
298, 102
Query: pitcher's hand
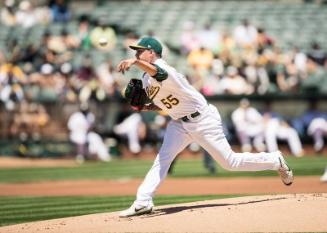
124, 65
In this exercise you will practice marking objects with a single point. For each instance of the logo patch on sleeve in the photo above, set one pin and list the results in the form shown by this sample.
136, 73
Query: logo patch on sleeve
152, 91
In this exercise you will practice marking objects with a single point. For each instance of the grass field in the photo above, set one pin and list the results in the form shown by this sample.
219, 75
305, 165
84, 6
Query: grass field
310, 165
15, 210
20, 209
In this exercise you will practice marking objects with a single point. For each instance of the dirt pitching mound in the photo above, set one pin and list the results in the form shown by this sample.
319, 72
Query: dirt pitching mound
281, 213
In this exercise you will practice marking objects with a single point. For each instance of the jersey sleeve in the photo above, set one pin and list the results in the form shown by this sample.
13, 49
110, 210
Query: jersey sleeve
161, 73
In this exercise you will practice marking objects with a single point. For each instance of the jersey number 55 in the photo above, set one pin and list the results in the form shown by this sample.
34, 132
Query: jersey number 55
169, 101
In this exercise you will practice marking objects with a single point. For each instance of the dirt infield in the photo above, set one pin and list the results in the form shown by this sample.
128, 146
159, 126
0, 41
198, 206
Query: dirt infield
279, 213
172, 186
14, 162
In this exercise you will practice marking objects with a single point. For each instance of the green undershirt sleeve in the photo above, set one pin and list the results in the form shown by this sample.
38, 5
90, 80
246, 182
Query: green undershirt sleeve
161, 74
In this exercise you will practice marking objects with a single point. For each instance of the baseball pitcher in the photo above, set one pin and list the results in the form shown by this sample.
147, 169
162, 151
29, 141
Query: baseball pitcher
193, 120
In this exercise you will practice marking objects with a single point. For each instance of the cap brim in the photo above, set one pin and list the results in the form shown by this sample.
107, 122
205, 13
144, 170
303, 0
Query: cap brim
136, 47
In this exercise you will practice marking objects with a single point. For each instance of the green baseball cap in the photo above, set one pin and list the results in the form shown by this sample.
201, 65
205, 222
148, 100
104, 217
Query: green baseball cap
148, 43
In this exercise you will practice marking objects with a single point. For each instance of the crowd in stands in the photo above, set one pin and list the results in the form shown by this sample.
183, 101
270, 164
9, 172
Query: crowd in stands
46, 71
243, 61
248, 61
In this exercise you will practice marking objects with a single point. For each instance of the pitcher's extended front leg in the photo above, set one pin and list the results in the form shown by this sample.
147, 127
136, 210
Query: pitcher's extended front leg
175, 140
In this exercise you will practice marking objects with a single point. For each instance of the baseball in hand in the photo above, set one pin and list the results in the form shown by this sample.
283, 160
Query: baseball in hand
103, 41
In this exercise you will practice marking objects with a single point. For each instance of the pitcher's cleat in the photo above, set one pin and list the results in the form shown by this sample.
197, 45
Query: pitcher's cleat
136, 210
285, 172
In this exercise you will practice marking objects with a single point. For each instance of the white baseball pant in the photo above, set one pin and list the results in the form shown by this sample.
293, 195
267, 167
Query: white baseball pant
207, 131
97, 146
275, 130
130, 128
318, 129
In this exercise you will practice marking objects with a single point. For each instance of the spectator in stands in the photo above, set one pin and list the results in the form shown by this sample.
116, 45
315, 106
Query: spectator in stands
105, 71
8, 16
25, 16
227, 47
278, 129
300, 60
28, 54
44, 43
249, 125
233, 83
272, 60
59, 10
39, 120
42, 13
89, 84
209, 38
71, 41
12, 79
62, 46
288, 76
14, 47
29, 121
20, 127
87, 142
103, 31
189, 38
86, 72
201, 59
314, 80
245, 35
317, 54
83, 33
263, 40
48, 81
256, 75
211, 83
69, 88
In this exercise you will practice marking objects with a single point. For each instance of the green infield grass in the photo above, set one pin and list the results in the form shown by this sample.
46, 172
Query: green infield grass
15, 210
310, 165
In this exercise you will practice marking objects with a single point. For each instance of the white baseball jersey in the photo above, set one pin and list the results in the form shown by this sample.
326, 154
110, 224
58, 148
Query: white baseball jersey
174, 95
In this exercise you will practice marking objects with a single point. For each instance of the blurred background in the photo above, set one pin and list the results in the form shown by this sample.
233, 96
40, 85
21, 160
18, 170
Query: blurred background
262, 63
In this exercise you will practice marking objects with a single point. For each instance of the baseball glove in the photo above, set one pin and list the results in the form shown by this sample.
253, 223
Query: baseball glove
136, 95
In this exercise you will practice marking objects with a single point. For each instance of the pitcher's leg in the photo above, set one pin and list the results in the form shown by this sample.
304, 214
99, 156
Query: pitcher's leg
209, 134
228, 159
175, 140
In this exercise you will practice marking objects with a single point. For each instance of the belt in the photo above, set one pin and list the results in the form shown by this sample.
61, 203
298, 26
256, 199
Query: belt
193, 115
